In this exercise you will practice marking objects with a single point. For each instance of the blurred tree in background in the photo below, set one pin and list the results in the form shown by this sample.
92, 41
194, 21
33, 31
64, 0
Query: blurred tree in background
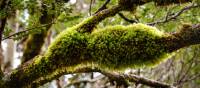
27, 28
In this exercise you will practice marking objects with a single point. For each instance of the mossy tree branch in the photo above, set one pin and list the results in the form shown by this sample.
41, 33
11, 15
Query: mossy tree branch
189, 35
79, 46
51, 65
24, 80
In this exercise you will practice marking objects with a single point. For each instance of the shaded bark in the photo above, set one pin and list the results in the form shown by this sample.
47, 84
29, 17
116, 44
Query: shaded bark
188, 36
2, 26
1, 50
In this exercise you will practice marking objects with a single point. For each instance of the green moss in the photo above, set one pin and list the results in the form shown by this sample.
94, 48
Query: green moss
69, 48
113, 48
121, 47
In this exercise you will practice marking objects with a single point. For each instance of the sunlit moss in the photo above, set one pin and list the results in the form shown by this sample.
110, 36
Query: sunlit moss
115, 47
121, 47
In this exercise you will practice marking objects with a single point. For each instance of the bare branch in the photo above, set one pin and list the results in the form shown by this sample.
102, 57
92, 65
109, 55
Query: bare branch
172, 16
138, 79
90, 9
27, 30
103, 6
98, 17
84, 81
115, 76
126, 19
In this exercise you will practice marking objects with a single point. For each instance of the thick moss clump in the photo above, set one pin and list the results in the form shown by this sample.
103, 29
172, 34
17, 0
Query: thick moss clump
69, 48
113, 48
133, 46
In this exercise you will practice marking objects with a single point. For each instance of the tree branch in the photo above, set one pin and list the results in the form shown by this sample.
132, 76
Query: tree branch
114, 76
138, 79
90, 9
126, 19
64, 71
2, 26
27, 30
98, 17
103, 6
172, 16
52, 65
71, 50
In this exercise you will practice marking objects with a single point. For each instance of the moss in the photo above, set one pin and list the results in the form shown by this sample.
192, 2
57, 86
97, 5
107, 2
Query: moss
69, 48
114, 48
121, 47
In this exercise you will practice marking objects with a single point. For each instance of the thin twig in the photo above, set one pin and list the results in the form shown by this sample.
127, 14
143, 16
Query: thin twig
90, 9
138, 79
172, 16
103, 6
84, 81
126, 19
27, 29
